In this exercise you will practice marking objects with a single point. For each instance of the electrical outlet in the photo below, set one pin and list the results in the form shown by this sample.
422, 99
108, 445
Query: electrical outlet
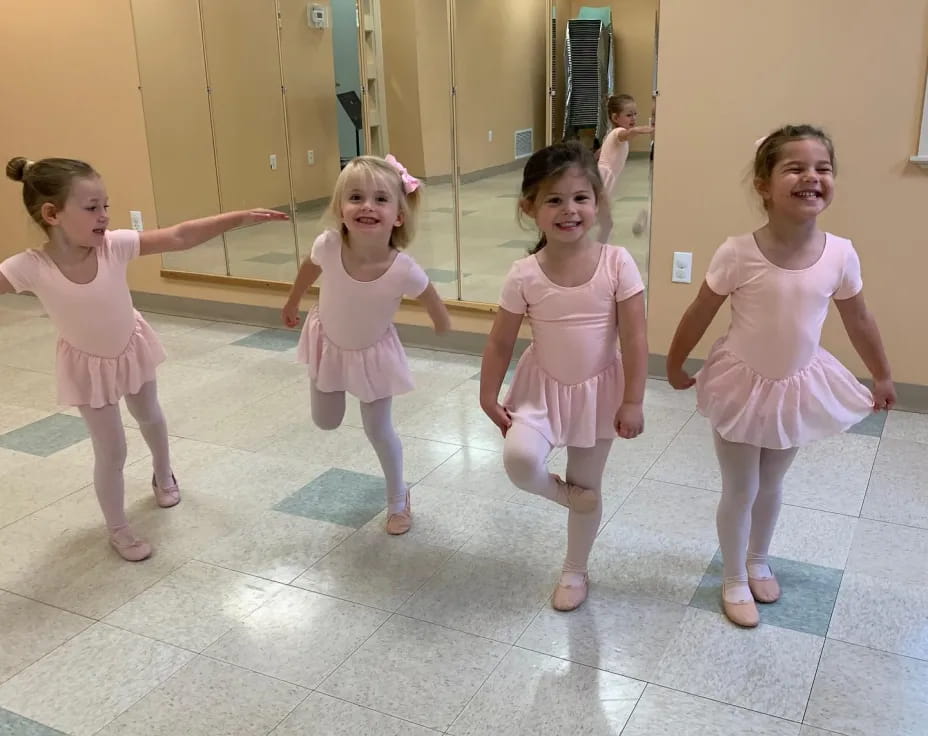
136, 218
489, 136
682, 268
311, 157
273, 161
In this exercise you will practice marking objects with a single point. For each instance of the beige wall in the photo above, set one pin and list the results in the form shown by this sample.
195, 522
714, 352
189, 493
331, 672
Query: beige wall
79, 98
309, 75
247, 105
856, 68
500, 77
633, 45
401, 78
172, 72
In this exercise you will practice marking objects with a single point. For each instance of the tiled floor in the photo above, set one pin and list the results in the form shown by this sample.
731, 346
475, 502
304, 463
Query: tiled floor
491, 238
275, 603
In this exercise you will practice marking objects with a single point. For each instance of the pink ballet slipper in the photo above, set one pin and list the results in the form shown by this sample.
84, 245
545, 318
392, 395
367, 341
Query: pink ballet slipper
401, 522
166, 497
765, 590
742, 613
581, 500
129, 546
569, 597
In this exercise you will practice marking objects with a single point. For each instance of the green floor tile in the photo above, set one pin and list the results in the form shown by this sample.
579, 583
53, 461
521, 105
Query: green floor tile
338, 496
46, 436
806, 603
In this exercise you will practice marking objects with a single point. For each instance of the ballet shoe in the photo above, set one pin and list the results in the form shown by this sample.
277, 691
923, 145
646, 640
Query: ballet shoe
401, 522
765, 590
743, 613
166, 497
581, 500
129, 546
570, 597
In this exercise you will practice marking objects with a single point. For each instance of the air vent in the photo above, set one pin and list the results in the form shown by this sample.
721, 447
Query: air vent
525, 143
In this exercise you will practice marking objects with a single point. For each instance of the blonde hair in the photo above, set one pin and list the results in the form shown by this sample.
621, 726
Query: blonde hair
48, 180
373, 168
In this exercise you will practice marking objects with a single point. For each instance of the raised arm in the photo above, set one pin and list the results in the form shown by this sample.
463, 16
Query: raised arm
189, 234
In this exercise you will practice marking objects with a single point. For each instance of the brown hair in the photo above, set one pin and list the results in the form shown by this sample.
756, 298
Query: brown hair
770, 149
617, 104
548, 164
46, 181
372, 168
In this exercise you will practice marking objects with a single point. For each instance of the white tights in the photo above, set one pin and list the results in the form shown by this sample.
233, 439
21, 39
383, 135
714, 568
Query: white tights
752, 492
328, 410
109, 449
525, 452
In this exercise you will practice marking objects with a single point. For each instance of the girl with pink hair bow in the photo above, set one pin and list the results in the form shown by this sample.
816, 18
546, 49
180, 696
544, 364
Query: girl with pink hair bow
348, 341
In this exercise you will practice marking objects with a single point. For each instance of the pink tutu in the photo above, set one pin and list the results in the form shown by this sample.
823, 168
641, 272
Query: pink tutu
566, 415
821, 400
375, 372
85, 379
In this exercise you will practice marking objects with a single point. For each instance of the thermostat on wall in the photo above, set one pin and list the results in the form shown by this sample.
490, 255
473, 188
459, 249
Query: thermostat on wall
316, 16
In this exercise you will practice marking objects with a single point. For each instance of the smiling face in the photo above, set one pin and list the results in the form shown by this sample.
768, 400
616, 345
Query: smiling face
370, 206
801, 181
565, 207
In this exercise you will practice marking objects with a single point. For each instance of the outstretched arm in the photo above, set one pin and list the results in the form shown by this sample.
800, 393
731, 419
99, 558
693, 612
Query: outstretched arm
189, 234
625, 134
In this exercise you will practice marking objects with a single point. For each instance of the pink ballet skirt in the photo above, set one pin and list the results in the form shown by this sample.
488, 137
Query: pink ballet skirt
375, 372
821, 400
567, 415
85, 379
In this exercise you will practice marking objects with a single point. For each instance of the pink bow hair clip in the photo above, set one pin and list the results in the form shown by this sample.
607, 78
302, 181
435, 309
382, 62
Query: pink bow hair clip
410, 183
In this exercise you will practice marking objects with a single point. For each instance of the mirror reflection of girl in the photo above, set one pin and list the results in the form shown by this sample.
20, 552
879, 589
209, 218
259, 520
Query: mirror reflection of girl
106, 350
349, 342
572, 388
623, 115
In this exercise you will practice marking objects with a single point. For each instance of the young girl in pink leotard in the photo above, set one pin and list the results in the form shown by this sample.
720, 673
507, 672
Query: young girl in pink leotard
623, 114
571, 388
106, 350
767, 387
349, 342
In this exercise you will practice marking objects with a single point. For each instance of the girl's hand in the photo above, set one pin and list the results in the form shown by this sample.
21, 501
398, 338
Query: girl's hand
680, 379
499, 415
250, 217
884, 395
629, 421
291, 314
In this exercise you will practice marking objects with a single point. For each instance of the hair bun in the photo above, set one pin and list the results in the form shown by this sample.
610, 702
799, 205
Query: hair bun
17, 167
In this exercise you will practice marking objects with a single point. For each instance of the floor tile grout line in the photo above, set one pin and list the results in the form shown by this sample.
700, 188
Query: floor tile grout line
877, 650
